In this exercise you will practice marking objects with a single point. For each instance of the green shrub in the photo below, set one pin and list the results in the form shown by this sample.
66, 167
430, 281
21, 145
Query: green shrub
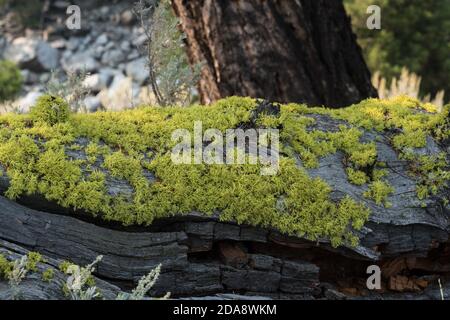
10, 80
51, 110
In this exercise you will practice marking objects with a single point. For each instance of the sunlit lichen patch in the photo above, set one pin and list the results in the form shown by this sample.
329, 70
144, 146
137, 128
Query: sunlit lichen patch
72, 161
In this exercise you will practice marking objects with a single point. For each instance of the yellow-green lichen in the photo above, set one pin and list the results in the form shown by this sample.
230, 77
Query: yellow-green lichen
379, 192
47, 275
357, 177
33, 259
64, 266
5, 267
50, 109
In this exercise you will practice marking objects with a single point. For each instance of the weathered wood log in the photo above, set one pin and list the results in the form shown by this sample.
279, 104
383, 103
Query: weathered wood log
271, 267
202, 255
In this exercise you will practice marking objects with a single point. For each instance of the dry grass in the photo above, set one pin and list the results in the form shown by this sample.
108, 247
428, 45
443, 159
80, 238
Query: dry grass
407, 84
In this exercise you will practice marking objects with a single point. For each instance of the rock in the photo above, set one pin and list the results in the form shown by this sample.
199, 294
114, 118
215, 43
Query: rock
83, 61
94, 83
29, 77
25, 103
125, 46
107, 75
44, 77
58, 44
113, 57
140, 40
33, 54
138, 70
133, 55
102, 39
122, 94
73, 43
92, 103
61, 4
127, 17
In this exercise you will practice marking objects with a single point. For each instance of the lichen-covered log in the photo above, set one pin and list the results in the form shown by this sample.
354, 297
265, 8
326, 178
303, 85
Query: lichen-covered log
286, 51
356, 186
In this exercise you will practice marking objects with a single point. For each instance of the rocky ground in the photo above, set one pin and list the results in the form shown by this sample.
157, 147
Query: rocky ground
107, 47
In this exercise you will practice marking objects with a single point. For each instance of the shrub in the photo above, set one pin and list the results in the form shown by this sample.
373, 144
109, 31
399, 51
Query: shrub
172, 78
10, 80
50, 109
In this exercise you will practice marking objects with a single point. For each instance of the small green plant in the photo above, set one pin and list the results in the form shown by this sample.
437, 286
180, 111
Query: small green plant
143, 287
50, 110
356, 177
79, 284
15, 271
379, 191
63, 266
48, 275
10, 80
172, 79
33, 259
71, 88
5, 267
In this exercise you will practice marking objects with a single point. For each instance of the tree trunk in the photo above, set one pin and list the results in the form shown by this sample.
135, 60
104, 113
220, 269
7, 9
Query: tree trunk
286, 51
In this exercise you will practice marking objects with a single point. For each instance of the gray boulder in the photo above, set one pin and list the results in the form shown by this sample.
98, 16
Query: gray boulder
138, 70
32, 54
25, 103
82, 61
92, 103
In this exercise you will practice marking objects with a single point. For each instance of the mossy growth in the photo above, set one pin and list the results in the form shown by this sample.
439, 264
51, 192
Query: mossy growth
5, 267
50, 110
47, 275
406, 121
130, 144
357, 177
379, 191
10, 80
64, 266
33, 259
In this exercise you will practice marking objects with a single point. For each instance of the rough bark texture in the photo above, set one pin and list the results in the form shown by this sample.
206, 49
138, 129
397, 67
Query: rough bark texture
285, 51
206, 258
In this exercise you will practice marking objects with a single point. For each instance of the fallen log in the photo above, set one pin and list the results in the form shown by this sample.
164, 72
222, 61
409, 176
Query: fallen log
212, 253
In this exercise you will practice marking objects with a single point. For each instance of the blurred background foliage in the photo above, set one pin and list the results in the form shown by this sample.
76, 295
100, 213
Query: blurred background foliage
415, 34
